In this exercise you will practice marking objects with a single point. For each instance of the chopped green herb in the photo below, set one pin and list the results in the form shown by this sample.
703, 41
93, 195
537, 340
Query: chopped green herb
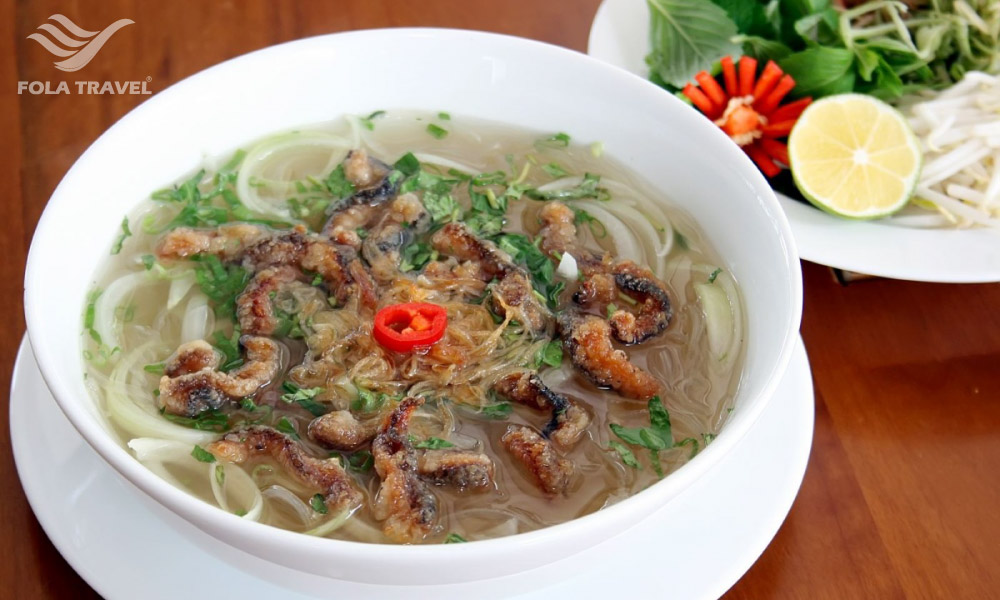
444, 116
555, 170
707, 438
407, 164
90, 313
148, 260
658, 436
369, 121
690, 442
681, 240
582, 217
220, 474
337, 184
588, 188
203, 455
222, 283
715, 273
437, 132
454, 538
628, 458
304, 397
247, 404
154, 368
611, 309
431, 443
558, 140
550, 354
126, 232
240, 512
542, 271
368, 401
442, 207
318, 504
499, 411
360, 461
230, 348
416, 256
285, 426
210, 420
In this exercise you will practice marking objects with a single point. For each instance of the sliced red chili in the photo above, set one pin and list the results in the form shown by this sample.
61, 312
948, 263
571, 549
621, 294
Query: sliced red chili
403, 327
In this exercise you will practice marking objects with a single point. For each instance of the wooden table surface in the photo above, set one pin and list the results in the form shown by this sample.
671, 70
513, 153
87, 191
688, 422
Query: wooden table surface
900, 499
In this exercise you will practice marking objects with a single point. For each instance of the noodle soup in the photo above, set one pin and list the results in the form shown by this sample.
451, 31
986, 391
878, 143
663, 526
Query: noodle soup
263, 335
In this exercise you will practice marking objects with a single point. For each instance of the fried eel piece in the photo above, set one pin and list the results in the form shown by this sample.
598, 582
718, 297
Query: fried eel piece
322, 474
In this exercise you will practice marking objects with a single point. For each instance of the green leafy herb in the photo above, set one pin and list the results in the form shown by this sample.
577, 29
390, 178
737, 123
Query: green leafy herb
588, 188
687, 36
220, 474
523, 250
436, 131
550, 354
442, 207
610, 310
285, 426
369, 121
304, 397
148, 260
337, 183
444, 116
658, 436
222, 283
714, 275
557, 140
431, 443
230, 348
626, 455
499, 411
202, 455
360, 462
126, 232
415, 256
368, 401
454, 538
154, 368
247, 404
555, 170
407, 164
209, 420
318, 504
821, 71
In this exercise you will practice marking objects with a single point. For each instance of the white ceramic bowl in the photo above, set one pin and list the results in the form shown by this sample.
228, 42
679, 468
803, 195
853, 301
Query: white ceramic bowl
501, 78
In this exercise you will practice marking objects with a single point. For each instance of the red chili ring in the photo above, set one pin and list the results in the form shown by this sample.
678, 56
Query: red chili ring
403, 327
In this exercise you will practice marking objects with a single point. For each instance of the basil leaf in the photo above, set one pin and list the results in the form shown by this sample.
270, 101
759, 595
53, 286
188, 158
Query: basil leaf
688, 36
763, 49
749, 16
820, 71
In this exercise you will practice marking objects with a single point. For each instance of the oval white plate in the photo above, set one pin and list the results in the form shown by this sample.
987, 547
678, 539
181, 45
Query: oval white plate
103, 526
620, 36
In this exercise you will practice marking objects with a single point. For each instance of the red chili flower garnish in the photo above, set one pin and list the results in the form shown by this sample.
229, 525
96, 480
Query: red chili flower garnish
749, 109
403, 327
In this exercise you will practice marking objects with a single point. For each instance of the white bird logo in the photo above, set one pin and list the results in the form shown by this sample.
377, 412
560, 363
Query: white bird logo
82, 48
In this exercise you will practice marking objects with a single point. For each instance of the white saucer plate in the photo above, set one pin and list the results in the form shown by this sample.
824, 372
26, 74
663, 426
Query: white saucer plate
126, 546
619, 35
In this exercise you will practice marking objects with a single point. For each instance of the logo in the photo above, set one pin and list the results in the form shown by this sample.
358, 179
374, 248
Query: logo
79, 50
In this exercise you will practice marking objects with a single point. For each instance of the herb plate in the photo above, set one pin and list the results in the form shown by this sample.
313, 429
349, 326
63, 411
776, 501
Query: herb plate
697, 546
619, 35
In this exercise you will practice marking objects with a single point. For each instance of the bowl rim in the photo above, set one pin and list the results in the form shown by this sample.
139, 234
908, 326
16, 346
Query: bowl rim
190, 507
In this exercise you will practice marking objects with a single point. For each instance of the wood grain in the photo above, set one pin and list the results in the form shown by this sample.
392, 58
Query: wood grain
900, 497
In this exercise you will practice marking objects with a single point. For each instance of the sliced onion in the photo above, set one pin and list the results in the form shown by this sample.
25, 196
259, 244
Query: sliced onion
198, 321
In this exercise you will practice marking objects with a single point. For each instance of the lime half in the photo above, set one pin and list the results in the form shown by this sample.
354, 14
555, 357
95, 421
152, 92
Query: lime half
854, 156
